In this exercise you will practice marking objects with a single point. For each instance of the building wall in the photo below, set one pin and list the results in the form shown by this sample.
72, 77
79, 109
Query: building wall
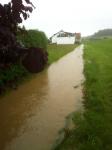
65, 40
54, 39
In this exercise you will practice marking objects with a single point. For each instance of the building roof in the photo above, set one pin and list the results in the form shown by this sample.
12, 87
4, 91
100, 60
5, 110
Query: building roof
63, 34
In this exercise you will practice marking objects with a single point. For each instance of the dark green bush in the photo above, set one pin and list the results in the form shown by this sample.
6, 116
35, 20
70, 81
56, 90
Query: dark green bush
34, 38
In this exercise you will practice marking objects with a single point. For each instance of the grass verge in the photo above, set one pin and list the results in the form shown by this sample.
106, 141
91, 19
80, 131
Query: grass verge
57, 51
93, 129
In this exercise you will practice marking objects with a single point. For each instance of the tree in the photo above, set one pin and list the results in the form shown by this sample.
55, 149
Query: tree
11, 15
12, 51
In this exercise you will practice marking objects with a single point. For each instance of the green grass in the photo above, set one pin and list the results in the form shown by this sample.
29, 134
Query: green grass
57, 51
93, 129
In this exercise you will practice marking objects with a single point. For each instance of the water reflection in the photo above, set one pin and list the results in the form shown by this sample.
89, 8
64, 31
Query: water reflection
32, 116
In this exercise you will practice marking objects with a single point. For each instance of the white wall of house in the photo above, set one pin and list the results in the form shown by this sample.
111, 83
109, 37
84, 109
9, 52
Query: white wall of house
54, 39
65, 40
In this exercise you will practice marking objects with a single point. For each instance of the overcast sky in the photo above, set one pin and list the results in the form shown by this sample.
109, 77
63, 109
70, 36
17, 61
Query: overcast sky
85, 16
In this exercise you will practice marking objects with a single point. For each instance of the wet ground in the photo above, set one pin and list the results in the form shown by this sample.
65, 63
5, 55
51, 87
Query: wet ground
32, 115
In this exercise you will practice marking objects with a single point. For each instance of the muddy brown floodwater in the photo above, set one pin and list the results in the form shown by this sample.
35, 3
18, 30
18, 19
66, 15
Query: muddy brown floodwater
32, 115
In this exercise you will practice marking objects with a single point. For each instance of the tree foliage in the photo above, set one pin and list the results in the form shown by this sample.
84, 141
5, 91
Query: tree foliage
11, 15
33, 38
102, 33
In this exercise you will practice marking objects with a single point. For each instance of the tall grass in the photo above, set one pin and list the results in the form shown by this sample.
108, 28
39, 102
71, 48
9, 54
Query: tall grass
93, 129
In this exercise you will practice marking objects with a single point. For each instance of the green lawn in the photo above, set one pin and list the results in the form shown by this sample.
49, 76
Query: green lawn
57, 51
93, 129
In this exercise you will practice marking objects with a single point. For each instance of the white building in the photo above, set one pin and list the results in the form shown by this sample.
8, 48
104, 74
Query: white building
62, 37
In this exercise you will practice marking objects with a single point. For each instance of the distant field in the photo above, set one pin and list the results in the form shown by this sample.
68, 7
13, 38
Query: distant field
57, 51
93, 129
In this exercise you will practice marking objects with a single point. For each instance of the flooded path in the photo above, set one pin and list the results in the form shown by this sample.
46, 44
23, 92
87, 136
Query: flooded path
32, 115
